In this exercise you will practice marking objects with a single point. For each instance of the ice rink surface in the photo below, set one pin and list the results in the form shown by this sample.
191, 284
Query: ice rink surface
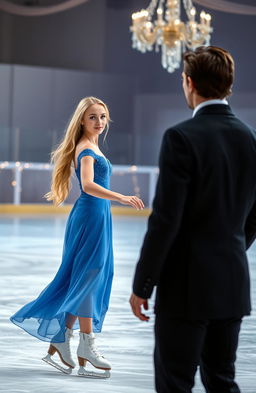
30, 253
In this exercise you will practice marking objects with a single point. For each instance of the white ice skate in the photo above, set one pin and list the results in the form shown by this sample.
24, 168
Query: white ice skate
87, 351
63, 350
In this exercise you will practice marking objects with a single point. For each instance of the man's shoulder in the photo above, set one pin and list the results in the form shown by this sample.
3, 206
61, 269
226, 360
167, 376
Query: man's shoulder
246, 125
193, 126
181, 128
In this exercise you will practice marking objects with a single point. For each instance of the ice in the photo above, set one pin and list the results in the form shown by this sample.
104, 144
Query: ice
30, 254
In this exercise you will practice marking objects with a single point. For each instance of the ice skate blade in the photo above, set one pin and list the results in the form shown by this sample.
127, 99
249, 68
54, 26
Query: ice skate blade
82, 372
49, 360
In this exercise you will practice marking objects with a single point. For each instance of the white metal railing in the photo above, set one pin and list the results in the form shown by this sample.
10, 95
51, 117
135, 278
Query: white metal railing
18, 167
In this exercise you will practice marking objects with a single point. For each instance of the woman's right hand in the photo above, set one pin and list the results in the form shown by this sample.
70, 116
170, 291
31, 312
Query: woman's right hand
133, 201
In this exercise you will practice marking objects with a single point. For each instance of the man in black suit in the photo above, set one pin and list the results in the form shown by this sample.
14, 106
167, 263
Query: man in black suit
203, 221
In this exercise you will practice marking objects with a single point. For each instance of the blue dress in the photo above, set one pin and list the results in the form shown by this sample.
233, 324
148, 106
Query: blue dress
83, 282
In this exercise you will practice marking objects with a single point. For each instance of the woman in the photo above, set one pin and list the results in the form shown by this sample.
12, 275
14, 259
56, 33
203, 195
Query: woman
82, 285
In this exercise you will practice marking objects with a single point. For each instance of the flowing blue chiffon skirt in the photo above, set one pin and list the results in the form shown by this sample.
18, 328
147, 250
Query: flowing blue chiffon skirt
83, 282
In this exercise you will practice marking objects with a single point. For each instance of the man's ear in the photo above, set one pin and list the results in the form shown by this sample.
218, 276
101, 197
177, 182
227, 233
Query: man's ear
190, 83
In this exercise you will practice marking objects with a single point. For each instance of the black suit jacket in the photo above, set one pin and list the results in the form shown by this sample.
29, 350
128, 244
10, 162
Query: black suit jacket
203, 218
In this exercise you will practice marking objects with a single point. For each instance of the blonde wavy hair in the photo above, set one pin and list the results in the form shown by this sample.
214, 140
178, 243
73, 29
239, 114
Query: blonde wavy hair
63, 156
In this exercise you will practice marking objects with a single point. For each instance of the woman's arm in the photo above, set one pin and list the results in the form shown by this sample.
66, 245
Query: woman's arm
90, 187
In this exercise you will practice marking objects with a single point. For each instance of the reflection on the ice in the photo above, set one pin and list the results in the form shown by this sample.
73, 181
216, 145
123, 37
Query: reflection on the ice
30, 255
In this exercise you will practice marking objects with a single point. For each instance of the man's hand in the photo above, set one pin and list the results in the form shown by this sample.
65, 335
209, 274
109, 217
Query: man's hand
136, 303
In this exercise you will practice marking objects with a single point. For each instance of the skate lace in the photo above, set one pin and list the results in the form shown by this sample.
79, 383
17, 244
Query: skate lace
94, 349
69, 351
70, 334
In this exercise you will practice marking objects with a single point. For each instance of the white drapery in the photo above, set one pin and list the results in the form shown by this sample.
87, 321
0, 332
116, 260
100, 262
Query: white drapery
22, 10
228, 6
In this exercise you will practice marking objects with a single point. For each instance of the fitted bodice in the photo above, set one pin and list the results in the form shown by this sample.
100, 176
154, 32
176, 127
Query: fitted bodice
102, 169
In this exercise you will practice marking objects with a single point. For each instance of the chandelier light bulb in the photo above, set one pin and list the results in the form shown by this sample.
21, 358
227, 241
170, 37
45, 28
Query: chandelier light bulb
143, 13
193, 11
208, 19
160, 27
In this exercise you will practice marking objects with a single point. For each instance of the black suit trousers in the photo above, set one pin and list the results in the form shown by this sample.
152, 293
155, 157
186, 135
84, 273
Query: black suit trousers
181, 346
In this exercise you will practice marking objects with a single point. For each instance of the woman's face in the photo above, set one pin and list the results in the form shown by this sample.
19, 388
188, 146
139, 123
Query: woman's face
94, 120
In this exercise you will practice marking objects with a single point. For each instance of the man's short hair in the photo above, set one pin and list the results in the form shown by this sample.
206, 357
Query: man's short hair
211, 69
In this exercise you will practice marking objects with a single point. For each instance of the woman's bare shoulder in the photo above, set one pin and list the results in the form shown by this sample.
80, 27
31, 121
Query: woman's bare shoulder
82, 146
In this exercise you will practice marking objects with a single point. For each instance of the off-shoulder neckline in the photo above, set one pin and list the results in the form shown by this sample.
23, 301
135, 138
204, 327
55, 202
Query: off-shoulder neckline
99, 155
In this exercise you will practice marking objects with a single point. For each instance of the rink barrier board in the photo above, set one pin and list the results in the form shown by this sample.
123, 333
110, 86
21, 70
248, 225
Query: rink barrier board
65, 209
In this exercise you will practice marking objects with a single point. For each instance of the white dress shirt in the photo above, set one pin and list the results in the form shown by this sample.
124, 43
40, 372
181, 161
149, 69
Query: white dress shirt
209, 102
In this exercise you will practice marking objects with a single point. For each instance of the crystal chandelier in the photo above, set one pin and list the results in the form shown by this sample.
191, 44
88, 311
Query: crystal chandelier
166, 30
